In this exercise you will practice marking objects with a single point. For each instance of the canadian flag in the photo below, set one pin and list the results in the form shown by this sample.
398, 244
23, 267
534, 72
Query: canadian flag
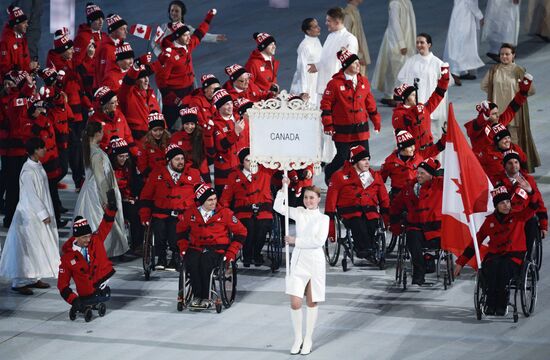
142, 31
466, 194
158, 35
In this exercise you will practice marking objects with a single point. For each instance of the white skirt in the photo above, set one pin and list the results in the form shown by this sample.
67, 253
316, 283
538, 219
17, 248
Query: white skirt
307, 265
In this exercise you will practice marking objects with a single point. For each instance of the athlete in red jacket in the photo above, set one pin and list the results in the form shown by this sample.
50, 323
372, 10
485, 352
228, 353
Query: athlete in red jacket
106, 58
14, 50
152, 147
204, 240
262, 64
359, 196
202, 99
346, 106
241, 85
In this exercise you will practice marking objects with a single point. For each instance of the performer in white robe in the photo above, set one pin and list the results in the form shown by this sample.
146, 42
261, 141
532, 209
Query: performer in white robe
461, 45
309, 52
426, 67
31, 250
100, 178
329, 64
501, 25
398, 44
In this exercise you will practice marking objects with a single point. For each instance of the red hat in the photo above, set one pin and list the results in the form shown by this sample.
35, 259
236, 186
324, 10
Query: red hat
124, 51
357, 153
242, 105
103, 95
81, 227
93, 12
172, 151
189, 115
49, 75
114, 22
346, 57
263, 40
15, 15
61, 41
118, 146
17, 77
209, 79
155, 119
235, 71
430, 165
179, 29
500, 194
203, 192
221, 97
403, 91
500, 132
404, 139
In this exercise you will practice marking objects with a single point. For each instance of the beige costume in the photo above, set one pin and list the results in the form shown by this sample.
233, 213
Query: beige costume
354, 24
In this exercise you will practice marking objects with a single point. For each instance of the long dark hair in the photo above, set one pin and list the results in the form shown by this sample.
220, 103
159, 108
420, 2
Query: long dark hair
197, 153
88, 133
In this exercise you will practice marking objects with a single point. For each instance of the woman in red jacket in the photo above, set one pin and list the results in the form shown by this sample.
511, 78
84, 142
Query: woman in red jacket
152, 147
506, 248
262, 64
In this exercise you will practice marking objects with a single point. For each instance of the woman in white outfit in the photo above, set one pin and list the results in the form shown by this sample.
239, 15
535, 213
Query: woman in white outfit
307, 268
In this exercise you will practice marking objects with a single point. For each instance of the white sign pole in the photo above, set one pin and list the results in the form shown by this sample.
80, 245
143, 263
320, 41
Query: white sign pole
287, 248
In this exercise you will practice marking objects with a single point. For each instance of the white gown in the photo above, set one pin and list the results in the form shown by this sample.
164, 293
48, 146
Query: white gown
99, 179
308, 262
309, 52
31, 249
461, 46
400, 34
501, 22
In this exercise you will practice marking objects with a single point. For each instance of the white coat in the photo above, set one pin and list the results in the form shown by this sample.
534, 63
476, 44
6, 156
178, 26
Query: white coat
99, 179
308, 258
461, 47
31, 250
400, 34
501, 22
309, 52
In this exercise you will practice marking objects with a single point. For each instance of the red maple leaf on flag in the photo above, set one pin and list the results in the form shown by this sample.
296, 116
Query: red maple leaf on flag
140, 30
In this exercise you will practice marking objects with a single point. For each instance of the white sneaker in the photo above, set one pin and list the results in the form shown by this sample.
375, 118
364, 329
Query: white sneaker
205, 303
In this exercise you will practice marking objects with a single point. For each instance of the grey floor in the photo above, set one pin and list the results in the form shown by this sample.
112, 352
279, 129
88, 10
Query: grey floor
364, 316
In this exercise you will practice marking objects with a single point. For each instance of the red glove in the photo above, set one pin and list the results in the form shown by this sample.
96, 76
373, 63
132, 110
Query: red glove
145, 59
165, 56
395, 229
183, 245
210, 15
232, 251
332, 230
420, 109
445, 73
328, 128
484, 109
525, 83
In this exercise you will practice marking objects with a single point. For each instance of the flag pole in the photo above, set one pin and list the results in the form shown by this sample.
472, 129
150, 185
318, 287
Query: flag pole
287, 249
472, 227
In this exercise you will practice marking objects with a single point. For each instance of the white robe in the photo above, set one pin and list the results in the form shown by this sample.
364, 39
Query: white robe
309, 52
308, 258
99, 179
501, 22
31, 250
428, 70
461, 46
400, 34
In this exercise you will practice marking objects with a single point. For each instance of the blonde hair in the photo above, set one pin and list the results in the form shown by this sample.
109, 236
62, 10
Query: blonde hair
312, 188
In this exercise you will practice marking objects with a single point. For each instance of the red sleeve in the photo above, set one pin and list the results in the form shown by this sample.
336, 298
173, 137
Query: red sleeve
224, 141
437, 95
182, 232
238, 230
469, 252
327, 102
147, 197
228, 191
142, 162
434, 149
64, 282
374, 115
128, 136
384, 200
513, 107
198, 34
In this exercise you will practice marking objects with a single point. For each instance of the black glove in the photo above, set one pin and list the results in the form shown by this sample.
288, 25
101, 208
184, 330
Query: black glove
111, 200
78, 305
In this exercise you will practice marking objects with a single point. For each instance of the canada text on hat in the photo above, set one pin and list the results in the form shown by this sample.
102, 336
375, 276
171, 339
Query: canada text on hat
203, 192
49, 75
509, 155
404, 139
189, 111
155, 119
179, 29
61, 41
242, 104
103, 94
499, 194
263, 40
234, 71
221, 97
346, 57
16, 15
93, 12
118, 145
114, 21
208, 79
124, 51
81, 227
357, 153
172, 151
498, 127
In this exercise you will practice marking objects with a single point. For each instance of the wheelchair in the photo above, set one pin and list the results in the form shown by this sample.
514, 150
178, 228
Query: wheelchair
523, 285
275, 242
344, 243
148, 252
95, 302
536, 252
223, 287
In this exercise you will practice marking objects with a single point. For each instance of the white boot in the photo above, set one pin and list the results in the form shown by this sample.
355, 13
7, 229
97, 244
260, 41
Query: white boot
311, 318
296, 316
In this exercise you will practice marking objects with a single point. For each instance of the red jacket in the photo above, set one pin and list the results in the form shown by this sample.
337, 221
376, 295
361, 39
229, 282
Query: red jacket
43, 127
228, 144
417, 119
87, 276
252, 93
194, 233
81, 41
60, 115
7, 106
14, 51
112, 77
161, 197
346, 110
491, 161
506, 234
206, 108
423, 211
401, 172
513, 188
19, 123
123, 177
479, 130
243, 195
105, 59
136, 104
150, 157
115, 126
184, 141
264, 72
347, 196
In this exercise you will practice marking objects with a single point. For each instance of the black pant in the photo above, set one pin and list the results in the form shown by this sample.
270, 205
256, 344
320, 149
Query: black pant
131, 215
531, 230
56, 201
76, 161
3, 177
200, 265
165, 235
255, 238
363, 231
342, 154
497, 272
63, 162
14, 164
416, 241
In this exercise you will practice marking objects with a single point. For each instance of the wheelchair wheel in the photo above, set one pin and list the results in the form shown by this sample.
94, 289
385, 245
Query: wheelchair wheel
400, 261
72, 314
275, 244
148, 253
528, 289
537, 251
227, 276
101, 309
332, 248
380, 252
88, 314
391, 246
184, 288
218, 307
479, 296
